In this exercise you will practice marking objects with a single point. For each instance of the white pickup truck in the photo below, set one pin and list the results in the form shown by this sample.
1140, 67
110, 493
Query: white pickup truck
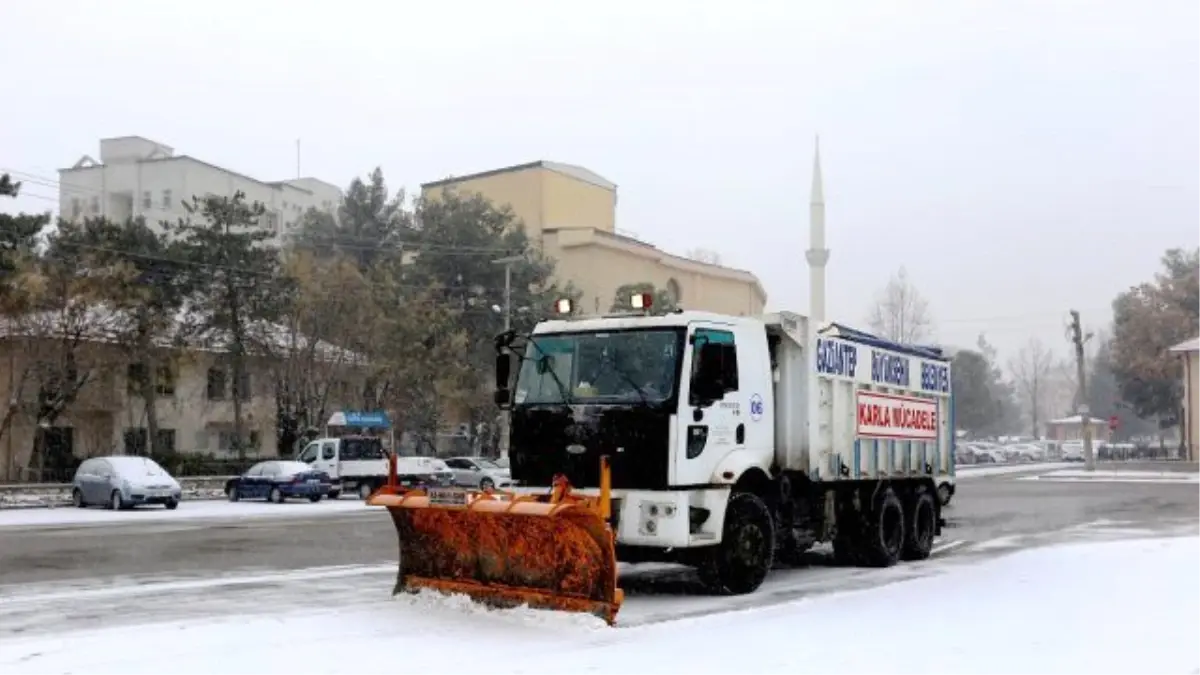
360, 464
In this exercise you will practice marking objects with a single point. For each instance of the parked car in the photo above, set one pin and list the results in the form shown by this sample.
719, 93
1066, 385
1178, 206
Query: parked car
479, 472
122, 482
277, 480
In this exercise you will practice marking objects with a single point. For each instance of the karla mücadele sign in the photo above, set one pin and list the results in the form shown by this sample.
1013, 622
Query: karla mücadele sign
898, 417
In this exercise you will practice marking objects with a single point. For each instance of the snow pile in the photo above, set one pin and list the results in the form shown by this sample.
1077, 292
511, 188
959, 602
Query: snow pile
188, 510
50, 496
980, 470
1051, 610
1130, 476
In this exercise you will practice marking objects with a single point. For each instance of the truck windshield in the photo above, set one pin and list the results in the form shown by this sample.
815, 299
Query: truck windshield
617, 366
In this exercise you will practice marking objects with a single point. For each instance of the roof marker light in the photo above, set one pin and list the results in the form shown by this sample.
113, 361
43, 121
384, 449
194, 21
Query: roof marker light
641, 300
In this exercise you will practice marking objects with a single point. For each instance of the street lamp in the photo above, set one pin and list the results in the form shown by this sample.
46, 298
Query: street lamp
508, 263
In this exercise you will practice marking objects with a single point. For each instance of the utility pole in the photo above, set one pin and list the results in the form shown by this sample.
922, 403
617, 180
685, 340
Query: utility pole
508, 263
1085, 422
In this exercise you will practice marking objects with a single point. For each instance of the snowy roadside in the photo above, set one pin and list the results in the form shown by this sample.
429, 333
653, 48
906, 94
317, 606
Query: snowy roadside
1116, 476
188, 510
982, 470
53, 495
1035, 599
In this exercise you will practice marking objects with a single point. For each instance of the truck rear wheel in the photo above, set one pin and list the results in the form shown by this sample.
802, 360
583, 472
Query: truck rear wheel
740, 563
922, 522
883, 537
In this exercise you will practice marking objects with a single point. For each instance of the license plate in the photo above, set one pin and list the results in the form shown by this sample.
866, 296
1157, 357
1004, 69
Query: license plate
313, 481
444, 497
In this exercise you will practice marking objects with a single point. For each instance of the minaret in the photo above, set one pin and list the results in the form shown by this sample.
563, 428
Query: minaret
816, 254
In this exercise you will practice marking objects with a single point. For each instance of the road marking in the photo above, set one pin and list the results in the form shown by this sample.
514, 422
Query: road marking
153, 588
946, 546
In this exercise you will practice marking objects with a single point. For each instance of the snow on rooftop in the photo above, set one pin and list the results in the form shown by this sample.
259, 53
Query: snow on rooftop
1078, 419
1032, 611
1192, 345
99, 323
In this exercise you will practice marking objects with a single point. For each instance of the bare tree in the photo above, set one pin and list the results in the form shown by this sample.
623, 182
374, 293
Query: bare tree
901, 313
704, 255
1031, 370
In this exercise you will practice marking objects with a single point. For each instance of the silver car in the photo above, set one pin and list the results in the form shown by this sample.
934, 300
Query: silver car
479, 472
122, 482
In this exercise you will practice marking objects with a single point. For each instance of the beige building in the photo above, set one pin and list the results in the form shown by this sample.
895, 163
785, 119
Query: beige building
1189, 352
194, 404
570, 212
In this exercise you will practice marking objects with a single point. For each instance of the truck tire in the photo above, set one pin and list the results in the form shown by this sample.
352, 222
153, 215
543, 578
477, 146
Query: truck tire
881, 540
740, 563
922, 523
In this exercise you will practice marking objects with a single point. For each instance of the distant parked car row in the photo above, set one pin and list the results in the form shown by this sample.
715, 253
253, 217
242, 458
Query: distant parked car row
988, 452
333, 466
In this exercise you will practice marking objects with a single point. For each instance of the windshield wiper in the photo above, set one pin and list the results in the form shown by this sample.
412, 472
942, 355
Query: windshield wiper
616, 366
547, 361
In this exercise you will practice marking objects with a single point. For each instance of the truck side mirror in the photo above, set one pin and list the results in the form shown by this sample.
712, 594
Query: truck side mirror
503, 370
502, 396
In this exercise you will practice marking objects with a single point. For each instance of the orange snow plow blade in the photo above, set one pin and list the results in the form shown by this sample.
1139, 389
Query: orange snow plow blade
553, 551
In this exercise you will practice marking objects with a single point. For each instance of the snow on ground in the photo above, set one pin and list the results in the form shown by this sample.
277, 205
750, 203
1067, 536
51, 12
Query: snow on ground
1056, 609
1131, 476
188, 510
980, 470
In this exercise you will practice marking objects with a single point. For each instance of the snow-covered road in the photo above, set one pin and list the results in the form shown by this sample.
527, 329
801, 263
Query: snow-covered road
43, 518
1051, 609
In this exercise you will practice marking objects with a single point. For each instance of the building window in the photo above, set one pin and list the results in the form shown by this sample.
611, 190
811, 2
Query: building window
273, 221
135, 377
285, 204
147, 199
165, 441
243, 387
76, 207
165, 385
226, 440
166, 202
674, 291
95, 206
135, 441
216, 384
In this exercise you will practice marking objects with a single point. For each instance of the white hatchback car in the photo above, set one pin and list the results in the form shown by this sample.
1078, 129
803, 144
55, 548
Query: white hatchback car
124, 481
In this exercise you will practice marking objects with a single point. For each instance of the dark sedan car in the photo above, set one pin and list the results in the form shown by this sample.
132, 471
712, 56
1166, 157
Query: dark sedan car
277, 480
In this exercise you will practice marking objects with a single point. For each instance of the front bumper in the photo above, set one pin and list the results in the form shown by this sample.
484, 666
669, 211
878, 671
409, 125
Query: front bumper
670, 519
305, 489
146, 496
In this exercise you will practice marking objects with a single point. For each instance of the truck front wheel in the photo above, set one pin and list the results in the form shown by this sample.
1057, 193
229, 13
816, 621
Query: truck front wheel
740, 563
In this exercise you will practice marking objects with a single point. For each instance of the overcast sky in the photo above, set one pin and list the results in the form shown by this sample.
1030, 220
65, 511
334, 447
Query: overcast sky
1019, 158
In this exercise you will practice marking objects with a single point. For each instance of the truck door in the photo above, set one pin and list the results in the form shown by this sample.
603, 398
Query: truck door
708, 430
328, 460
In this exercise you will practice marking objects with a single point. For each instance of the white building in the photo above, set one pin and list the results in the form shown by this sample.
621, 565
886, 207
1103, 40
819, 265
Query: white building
140, 177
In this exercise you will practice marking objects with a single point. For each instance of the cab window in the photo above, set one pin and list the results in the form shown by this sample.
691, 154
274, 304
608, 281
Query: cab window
310, 453
728, 365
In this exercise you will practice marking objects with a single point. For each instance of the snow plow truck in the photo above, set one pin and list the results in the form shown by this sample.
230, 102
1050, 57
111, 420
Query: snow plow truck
726, 443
